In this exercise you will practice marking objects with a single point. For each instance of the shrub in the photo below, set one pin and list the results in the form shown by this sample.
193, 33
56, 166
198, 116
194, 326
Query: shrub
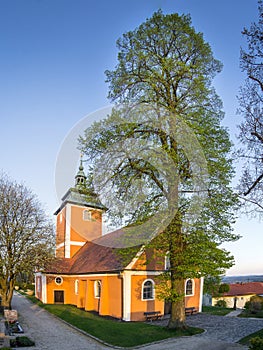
21, 342
221, 303
256, 343
247, 305
255, 304
24, 286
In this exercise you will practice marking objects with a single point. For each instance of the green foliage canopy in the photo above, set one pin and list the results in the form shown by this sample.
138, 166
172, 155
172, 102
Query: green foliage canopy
148, 151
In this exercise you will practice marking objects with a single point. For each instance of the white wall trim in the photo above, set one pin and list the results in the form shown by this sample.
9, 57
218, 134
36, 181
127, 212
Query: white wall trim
44, 289
144, 272
80, 276
80, 244
76, 243
68, 229
134, 260
201, 293
127, 295
60, 245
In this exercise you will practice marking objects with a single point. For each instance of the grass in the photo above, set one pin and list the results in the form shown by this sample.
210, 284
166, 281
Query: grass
114, 332
245, 340
216, 310
248, 313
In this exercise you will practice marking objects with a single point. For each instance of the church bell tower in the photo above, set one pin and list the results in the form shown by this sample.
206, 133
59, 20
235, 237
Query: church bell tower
79, 218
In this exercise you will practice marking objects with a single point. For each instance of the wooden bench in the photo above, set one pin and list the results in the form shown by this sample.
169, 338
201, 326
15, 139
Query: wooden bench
190, 311
153, 315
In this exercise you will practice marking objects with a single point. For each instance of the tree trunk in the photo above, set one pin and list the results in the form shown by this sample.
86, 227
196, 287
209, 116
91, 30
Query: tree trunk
177, 317
6, 292
176, 246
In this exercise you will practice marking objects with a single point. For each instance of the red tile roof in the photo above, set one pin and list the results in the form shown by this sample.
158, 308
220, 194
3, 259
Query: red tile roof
245, 288
96, 256
59, 265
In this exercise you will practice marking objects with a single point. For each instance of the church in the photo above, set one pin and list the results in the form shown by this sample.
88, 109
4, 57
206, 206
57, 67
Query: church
92, 274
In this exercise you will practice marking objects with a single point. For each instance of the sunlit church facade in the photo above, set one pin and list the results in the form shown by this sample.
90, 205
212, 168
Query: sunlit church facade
91, 274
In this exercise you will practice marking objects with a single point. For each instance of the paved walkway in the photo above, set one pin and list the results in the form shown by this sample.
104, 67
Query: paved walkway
223, 328
49, 333
234, 313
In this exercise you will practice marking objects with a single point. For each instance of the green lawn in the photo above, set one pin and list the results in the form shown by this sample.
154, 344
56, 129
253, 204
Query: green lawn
216, 310
245, 340
114, 332
248, 313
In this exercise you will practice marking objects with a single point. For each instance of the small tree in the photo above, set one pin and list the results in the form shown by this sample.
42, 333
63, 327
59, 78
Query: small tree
223, 288
26, 235
211, 285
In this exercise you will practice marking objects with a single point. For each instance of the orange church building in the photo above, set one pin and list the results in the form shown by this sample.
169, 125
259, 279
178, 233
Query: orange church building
93, 275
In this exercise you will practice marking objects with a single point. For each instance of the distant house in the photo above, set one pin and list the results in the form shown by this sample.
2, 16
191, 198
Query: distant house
240, 293
91, 274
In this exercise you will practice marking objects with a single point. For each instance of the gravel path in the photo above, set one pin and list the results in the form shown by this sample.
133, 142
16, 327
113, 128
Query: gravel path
49, 333
225, 328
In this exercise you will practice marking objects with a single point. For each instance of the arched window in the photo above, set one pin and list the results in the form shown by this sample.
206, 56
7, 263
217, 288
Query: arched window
77, 287
189, 287
86, 215
97, 289
148, 290
167, 264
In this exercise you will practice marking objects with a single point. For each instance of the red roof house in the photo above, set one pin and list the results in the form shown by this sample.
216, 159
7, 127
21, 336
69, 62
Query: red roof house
240, 293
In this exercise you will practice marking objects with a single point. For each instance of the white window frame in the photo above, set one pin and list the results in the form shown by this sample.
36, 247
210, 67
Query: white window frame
76, 287
56, 280
167, 263
193, 287
38, 282
86, 215
153, 290
97, 289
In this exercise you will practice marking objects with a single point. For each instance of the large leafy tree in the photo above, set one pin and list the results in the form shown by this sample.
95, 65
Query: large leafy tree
250, 101
164, 151
26, 235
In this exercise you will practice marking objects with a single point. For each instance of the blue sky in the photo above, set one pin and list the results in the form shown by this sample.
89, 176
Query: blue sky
53, 57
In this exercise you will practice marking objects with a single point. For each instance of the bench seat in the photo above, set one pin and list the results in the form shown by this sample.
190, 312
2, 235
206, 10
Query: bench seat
190, 310
152, 315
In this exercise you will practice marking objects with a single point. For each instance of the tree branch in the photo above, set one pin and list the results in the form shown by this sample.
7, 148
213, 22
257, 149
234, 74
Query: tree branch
257, 80
252, 201
254, 184
258, 136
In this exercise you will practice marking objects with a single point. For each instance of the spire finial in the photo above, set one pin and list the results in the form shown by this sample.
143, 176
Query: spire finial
80, 178
81, 164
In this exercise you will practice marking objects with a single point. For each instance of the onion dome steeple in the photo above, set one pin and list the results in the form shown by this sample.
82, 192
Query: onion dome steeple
80, 178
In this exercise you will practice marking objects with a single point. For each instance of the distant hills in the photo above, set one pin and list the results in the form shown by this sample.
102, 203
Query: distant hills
242, 279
